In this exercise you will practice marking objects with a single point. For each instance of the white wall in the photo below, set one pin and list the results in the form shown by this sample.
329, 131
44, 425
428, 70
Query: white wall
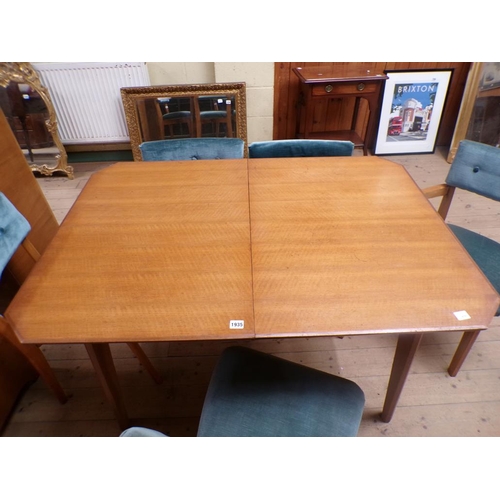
165, 73
259, 79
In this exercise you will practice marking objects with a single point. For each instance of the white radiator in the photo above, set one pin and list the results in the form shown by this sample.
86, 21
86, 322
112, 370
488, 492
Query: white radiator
87, 98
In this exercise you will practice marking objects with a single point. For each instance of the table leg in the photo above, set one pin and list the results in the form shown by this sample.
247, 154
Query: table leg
145, 361
100, 355
405, 352
463, 349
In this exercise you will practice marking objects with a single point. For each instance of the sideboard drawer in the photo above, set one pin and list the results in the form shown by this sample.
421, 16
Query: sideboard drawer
351, 88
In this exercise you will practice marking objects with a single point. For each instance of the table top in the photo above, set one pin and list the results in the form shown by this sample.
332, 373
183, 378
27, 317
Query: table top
352, 246
290, 246
326, 74
151, 252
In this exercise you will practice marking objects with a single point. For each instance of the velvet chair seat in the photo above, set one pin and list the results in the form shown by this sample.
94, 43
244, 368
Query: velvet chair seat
256, 394
213, 115
192, 149
13, 229
176, 115
300, 148
484, 251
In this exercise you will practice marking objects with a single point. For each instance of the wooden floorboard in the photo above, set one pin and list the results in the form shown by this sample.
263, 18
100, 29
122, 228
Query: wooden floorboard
432, 403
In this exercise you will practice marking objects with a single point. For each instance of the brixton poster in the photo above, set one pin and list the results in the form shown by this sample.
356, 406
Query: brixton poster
411, 111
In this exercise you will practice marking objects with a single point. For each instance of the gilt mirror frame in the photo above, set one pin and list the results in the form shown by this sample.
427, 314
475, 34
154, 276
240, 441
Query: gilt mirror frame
24, 73
130, 95
466, 108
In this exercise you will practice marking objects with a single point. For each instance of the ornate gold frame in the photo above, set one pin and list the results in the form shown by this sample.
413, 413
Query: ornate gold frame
466, 108
23, 72
131, 94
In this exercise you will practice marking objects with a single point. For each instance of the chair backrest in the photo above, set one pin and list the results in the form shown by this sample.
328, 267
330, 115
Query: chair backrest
13, 229
476, 168
20, 186
299, 147
255, 394
192, 149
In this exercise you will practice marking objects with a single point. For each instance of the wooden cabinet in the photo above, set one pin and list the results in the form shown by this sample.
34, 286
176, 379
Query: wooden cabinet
320, 84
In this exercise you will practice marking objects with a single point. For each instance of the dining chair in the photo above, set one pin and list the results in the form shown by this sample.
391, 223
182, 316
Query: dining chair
253, 394
209, 148
170, 119
300, 147
214, 110
475, 168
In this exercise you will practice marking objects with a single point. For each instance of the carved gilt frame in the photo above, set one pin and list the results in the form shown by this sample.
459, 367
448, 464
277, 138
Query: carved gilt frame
131, 94
23, 72
466, 108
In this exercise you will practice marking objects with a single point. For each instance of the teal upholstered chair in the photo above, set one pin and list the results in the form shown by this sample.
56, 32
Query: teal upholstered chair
256, 394
192, 149
300, 147
476, 168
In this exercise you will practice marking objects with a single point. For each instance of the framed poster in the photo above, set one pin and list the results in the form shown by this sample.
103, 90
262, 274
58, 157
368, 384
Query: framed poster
412, 106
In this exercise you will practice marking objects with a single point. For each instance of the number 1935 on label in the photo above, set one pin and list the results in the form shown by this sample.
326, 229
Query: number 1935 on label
237, 324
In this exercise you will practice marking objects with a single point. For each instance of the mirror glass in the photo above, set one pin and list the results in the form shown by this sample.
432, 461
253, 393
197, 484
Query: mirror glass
184, 111
484, 123
30, 113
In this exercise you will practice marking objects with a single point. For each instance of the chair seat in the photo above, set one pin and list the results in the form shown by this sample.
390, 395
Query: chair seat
212, 115
13, 229
175, 115
484, 251
256, 394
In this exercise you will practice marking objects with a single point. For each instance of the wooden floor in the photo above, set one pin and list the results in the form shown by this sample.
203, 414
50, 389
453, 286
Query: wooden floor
432, 404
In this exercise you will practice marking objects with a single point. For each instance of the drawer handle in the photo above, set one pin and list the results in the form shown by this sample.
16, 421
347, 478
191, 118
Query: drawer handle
328, 88
361, 86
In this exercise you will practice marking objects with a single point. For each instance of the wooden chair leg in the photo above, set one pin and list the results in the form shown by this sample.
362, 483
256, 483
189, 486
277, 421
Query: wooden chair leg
462, 351
144, 360
36, 358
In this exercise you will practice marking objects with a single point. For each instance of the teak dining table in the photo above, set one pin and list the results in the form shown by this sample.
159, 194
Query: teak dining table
246, 249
